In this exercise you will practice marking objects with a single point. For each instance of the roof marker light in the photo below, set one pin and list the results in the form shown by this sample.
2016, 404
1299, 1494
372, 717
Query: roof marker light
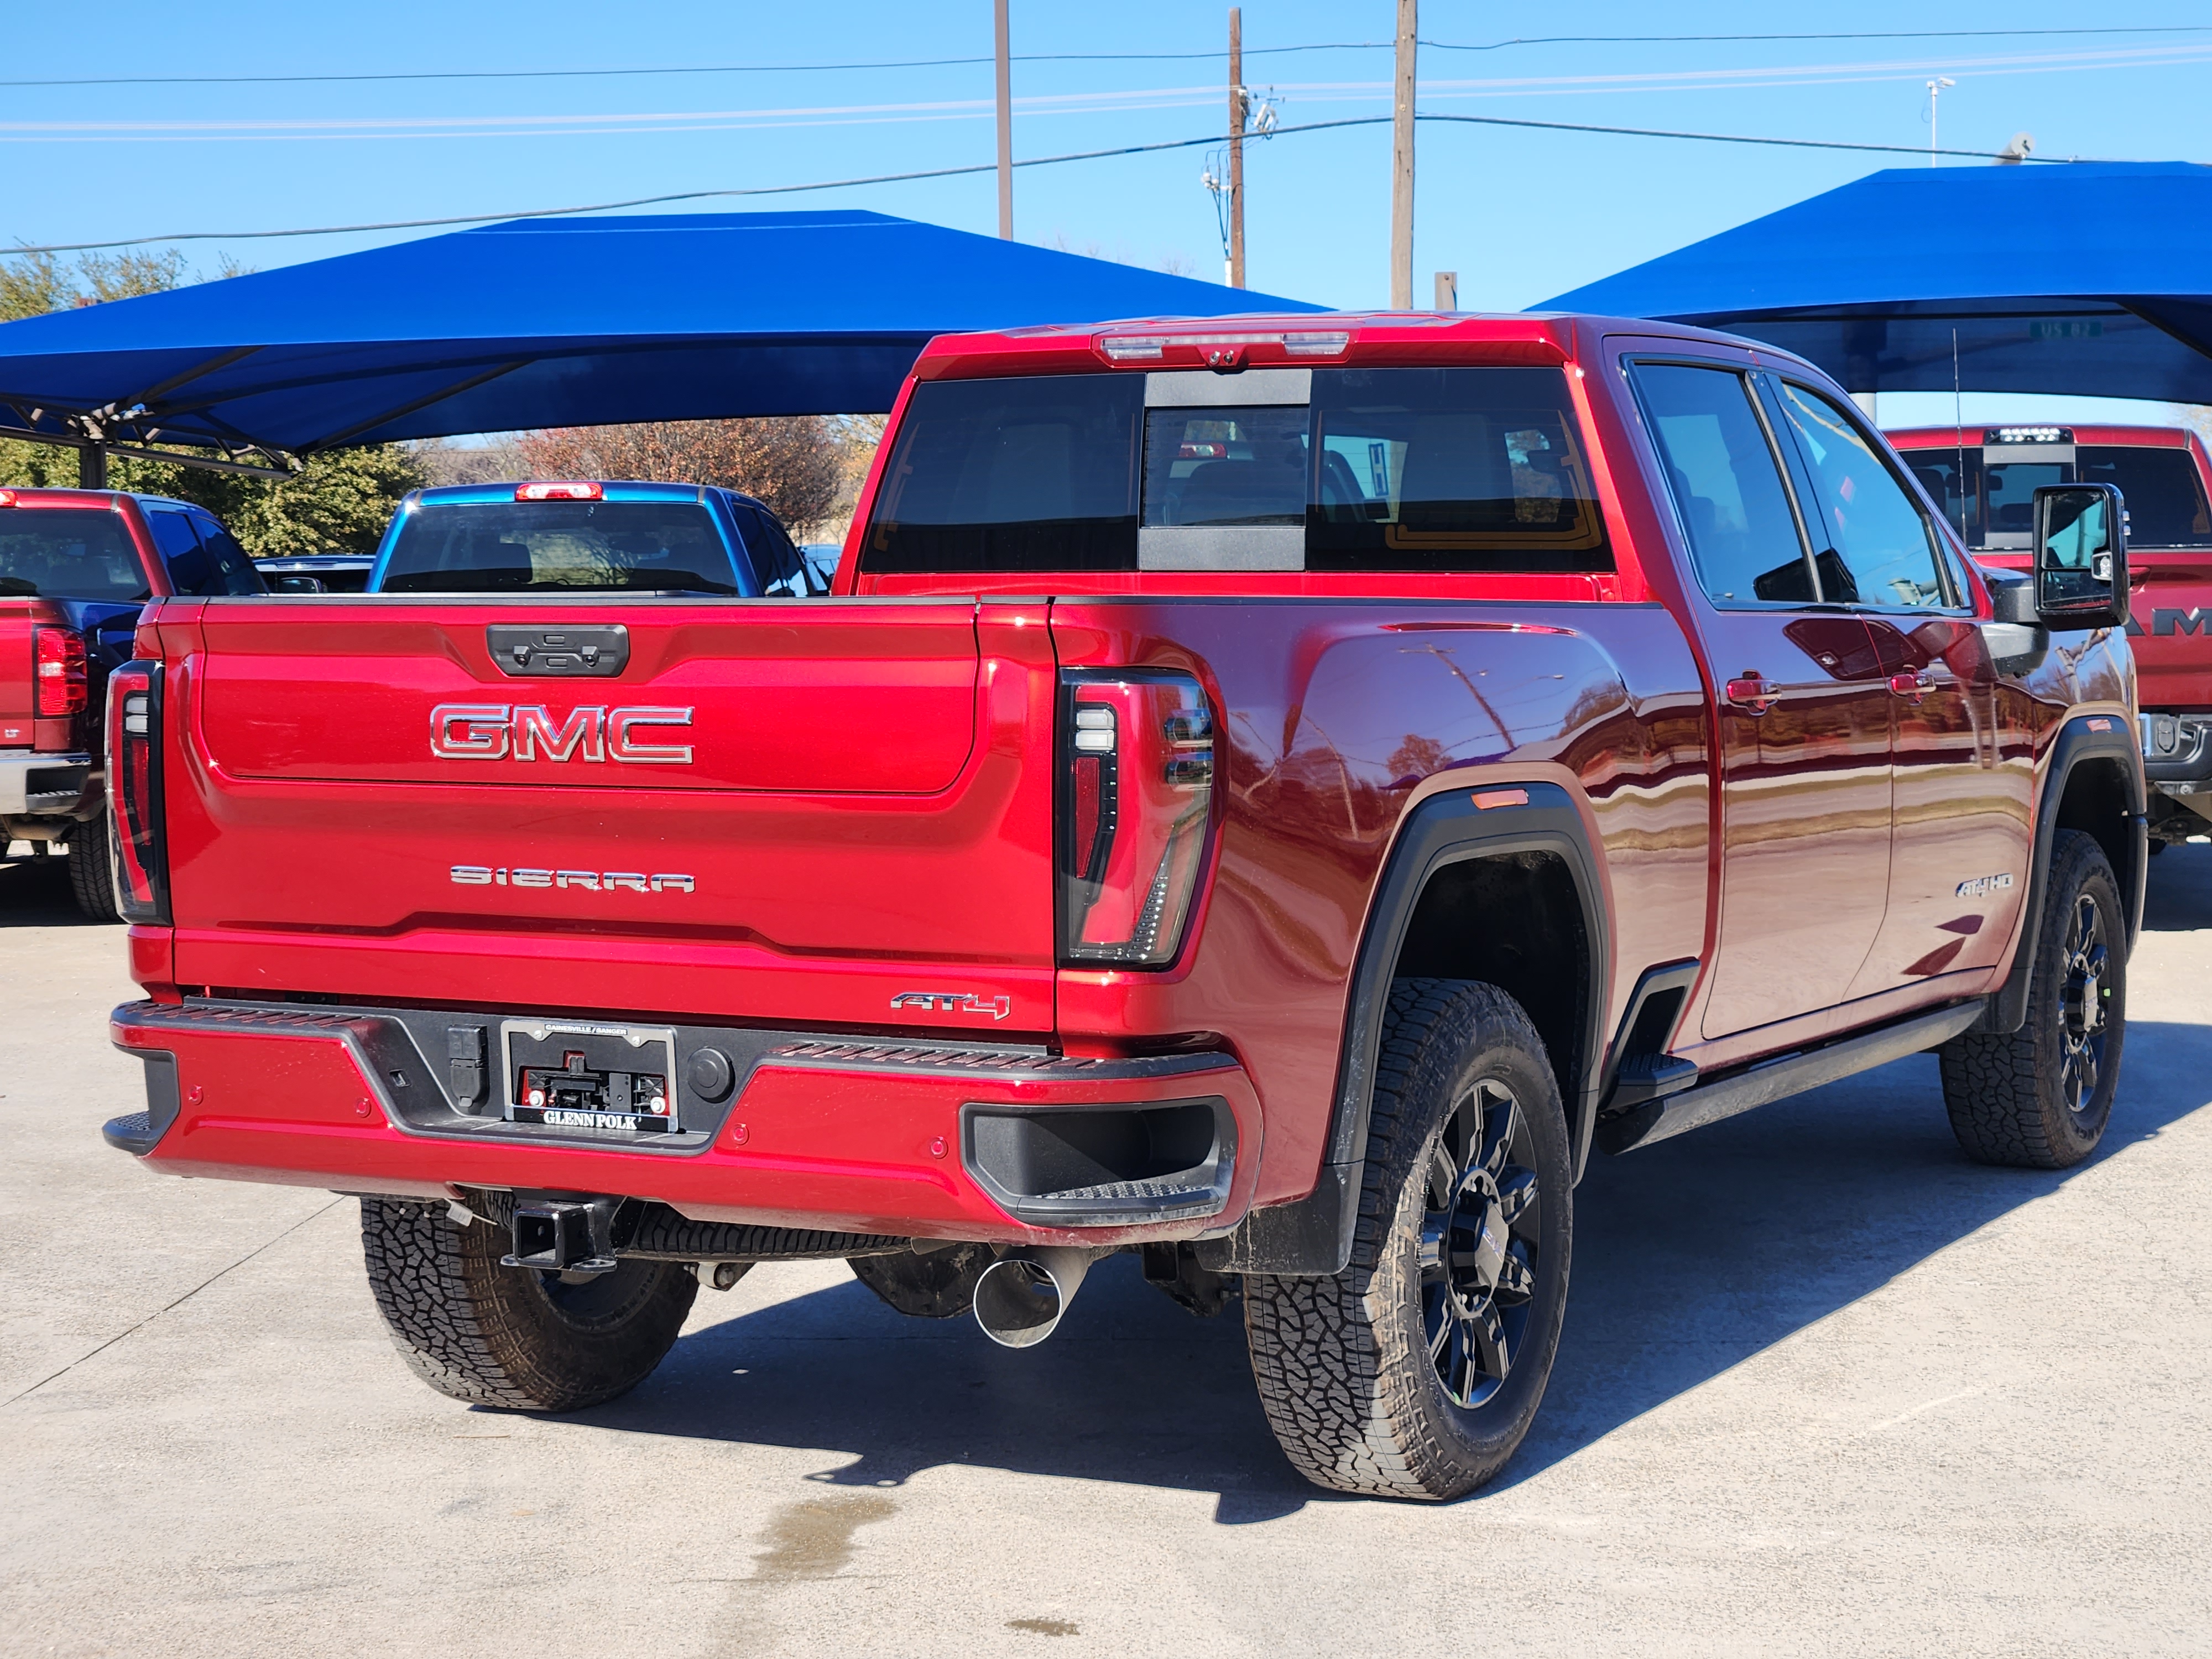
2028, 435
1223, 349
572, 492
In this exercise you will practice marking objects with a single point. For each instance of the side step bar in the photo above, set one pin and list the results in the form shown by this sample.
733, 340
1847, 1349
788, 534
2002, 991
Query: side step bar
1777, 1079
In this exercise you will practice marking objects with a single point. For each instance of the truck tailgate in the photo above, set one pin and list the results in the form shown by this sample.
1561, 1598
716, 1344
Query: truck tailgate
372, 802
16, 690
2171, 630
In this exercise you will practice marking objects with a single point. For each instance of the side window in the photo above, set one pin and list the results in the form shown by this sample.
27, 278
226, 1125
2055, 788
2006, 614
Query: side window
190, 570
1727, 484
1883, 549
776, 564
233, 569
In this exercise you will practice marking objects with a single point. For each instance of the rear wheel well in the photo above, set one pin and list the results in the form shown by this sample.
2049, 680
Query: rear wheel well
1513, 920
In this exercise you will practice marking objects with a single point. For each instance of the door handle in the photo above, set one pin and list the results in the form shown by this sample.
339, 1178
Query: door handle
1911, 687
1753, 693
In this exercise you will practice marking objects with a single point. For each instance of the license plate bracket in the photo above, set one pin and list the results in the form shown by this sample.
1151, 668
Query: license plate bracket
580, 1074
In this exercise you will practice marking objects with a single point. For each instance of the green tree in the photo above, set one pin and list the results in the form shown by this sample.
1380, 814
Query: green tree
340, 500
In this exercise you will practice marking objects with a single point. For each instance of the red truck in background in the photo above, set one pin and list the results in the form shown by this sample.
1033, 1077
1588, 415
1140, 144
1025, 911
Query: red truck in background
1272, 797
76, 566
1985, 478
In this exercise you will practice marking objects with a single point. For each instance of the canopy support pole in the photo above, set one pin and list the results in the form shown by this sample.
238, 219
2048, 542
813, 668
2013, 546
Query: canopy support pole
92, 467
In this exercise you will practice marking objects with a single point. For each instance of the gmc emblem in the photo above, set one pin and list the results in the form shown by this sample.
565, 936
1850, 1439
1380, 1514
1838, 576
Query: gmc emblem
498, 730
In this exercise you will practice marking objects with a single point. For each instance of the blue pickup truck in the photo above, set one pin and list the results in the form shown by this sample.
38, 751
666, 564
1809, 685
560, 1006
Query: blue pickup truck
584, 535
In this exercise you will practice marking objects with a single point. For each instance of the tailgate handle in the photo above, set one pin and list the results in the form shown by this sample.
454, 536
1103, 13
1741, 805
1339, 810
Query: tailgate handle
571, 653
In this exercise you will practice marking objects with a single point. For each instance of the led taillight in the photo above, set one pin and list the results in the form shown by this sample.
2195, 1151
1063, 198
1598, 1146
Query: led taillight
58, 668
1135, 803
571, 490
134, 792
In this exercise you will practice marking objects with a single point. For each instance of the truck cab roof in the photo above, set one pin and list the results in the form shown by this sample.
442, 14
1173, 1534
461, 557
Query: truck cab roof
1336, 339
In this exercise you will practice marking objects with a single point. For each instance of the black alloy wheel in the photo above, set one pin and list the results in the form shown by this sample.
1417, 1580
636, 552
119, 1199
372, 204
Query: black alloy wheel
1481, 1241
2083, 1014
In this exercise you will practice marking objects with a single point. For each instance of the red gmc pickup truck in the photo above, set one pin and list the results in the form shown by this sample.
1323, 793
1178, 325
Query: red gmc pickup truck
1270, 797
76, 567
1985, 479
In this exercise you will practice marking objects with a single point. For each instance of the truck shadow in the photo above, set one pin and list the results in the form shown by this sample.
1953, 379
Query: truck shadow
2178, 897
34, 892
1691, 1257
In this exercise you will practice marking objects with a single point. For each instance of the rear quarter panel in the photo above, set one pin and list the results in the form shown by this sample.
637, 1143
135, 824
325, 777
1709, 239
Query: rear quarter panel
1335, 719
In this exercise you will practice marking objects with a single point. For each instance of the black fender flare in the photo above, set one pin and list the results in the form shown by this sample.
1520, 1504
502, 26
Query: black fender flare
2083, 738
1314, 1236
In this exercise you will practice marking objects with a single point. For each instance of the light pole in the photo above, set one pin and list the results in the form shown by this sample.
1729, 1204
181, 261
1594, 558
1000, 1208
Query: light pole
1401, 162
1006, 89
1935, 91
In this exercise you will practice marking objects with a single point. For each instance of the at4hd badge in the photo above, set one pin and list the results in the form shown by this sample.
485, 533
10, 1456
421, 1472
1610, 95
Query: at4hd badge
954, 1002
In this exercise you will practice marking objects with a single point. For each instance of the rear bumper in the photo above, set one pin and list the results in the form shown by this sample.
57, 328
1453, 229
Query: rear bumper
870, 1135
2177, 751
36, 785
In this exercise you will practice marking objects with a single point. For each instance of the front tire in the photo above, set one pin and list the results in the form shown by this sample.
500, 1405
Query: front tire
1417, 1371
2039, 1098
507, 1336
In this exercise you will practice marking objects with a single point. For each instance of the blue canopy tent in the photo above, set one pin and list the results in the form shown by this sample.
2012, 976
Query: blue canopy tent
552, 322
2090, 278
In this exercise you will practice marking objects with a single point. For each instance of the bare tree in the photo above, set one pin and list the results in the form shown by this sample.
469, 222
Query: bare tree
796, 464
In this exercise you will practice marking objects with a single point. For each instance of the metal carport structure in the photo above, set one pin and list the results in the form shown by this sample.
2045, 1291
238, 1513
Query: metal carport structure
2086, 277
551, 322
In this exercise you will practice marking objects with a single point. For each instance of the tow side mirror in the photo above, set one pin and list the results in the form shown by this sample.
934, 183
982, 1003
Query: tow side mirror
297, 585
2080, 556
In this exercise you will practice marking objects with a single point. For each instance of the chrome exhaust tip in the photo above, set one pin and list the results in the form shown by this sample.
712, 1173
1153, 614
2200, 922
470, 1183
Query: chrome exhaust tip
1020, 1298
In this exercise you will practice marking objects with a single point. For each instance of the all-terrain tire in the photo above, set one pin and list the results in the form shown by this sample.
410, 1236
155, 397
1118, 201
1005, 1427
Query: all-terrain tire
1345, 1366
91, 883
507, 1336
2018, 1097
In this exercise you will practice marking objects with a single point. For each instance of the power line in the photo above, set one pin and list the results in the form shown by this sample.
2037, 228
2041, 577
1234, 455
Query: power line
986, 167
660, 201
1732, 138
320, 128
1851, 34
1073, 58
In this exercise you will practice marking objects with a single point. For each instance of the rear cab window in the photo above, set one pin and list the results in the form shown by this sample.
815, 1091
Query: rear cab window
1476, 469
1986, 487
68, 553
507, 546
2162, 487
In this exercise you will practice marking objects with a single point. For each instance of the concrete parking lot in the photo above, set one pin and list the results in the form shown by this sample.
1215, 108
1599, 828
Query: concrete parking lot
1828, 1387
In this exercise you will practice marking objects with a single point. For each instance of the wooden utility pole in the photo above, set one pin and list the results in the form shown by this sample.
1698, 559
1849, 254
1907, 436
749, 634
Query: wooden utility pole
1236, 147
1401, 168
1005, 129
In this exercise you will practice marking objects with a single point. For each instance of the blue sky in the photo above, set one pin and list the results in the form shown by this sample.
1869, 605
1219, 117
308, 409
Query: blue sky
1520, 215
